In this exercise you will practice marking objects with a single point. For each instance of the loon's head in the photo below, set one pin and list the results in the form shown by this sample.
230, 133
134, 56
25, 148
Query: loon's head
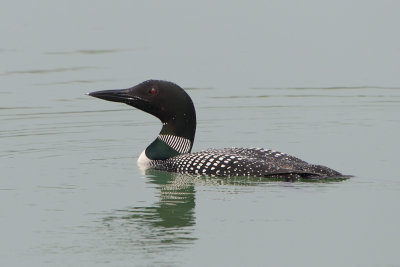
165, 100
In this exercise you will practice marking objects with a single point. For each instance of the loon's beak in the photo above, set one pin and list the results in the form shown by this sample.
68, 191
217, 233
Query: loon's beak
121, 95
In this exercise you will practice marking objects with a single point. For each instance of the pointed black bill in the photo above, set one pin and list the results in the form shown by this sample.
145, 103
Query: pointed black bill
121, 95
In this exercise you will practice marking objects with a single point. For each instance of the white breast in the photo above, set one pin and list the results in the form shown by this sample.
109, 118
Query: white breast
143, 161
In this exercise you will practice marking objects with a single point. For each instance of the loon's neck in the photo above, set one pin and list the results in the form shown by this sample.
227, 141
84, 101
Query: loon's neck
176, 137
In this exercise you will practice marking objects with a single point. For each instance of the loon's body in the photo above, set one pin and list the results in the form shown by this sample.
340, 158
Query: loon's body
170, 151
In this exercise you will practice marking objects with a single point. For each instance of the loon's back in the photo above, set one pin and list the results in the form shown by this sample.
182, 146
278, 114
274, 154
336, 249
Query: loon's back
256, 162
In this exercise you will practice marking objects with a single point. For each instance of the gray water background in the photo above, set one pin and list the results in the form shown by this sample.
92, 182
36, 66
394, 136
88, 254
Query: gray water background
315, 79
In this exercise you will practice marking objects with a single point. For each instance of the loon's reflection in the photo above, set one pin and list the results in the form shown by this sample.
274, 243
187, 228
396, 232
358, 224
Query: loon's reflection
177, 193
167, 224
170, 222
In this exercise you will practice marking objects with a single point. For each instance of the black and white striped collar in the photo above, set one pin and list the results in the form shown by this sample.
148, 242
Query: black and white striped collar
180, 144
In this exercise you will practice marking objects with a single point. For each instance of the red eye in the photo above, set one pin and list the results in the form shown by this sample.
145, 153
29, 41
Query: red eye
153, 91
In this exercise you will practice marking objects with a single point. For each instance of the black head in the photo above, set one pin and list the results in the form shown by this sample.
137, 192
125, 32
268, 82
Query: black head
165, 100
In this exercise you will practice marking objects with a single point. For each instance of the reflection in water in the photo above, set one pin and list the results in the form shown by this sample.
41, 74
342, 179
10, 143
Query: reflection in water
168, 224
177, 199
175, 208
167, 227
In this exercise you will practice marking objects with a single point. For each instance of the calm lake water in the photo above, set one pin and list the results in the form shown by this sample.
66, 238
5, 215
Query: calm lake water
71, 193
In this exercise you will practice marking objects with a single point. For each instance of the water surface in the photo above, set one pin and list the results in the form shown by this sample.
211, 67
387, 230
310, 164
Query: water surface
72, 194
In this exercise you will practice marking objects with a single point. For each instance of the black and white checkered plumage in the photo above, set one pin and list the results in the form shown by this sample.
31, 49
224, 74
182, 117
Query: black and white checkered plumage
256, 162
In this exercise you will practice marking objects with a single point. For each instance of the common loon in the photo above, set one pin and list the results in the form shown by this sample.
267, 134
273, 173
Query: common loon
170, 151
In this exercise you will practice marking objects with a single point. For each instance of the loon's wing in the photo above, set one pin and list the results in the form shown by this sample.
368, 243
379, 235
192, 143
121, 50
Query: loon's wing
268, 155
276, 163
